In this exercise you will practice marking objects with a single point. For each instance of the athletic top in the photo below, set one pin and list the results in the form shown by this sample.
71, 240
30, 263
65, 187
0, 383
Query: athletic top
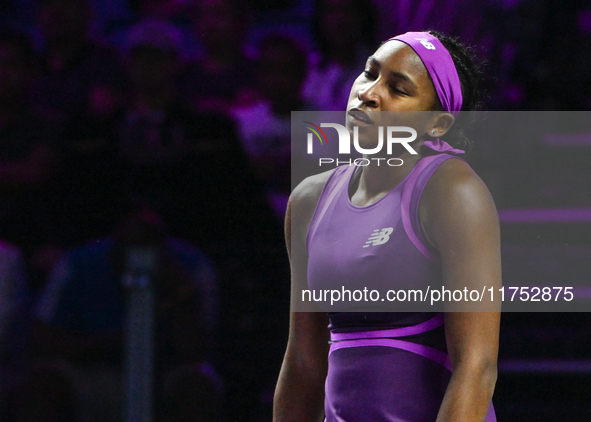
404, 376
378, 247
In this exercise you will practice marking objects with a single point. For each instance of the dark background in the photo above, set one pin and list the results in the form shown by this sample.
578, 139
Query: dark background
75, 158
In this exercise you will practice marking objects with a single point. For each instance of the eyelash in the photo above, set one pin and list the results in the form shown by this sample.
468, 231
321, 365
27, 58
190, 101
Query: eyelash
398, 91
368, 75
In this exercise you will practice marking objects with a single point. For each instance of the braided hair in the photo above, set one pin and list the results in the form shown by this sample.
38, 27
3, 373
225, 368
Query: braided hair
469, 70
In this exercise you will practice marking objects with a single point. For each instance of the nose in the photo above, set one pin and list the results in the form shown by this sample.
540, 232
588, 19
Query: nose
368, 95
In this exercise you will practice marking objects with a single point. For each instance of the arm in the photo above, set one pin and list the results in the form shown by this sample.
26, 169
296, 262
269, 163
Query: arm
459, 218
299, 395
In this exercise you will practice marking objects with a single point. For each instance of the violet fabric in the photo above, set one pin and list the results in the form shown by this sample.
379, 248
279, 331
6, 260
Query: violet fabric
411, 330
339, 231
443, 72
440, 66
383, 366
389, 338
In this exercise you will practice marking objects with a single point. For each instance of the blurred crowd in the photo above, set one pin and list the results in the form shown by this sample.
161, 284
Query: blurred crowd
165, 125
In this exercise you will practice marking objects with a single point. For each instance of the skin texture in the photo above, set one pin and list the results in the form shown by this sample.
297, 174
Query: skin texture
457, 216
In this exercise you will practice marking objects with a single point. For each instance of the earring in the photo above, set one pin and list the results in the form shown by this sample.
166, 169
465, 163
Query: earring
433, 132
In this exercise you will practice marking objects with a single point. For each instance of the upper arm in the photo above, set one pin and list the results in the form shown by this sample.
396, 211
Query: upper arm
299, 395
460, 219
308, 334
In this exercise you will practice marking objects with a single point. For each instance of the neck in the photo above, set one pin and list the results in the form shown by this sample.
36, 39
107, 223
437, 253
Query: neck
377, 180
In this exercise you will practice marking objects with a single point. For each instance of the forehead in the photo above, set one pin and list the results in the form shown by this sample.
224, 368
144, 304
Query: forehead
396, 56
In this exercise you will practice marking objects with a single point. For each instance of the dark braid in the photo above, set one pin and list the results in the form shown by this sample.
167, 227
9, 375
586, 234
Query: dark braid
470, 73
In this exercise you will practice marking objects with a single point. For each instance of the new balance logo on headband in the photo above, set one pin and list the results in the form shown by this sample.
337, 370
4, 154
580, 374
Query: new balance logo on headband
379, 237
428, 45
441, 68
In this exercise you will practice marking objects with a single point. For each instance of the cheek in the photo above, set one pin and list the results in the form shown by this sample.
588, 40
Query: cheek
418, 120
402, 103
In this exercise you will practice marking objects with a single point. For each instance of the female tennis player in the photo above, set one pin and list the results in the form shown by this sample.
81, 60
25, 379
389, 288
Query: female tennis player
437, 224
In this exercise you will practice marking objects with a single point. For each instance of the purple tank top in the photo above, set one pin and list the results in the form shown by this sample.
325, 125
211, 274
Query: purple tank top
380, 246
404, 375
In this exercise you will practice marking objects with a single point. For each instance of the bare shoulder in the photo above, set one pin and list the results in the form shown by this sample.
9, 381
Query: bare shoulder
454, 180
456, 199
303, 201
310, 188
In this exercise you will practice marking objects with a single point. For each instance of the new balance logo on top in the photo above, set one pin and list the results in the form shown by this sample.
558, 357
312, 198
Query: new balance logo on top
379, 237
428, 45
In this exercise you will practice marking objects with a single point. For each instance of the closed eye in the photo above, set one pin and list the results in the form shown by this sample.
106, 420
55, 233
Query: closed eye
398, 91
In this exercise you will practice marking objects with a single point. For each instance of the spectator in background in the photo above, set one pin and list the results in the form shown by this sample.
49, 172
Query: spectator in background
152, 64
223, 74
265, 124
89, 184
176, 12
191, 168
345, 35
28, 154
188, 165
78, 335
158, 131
76, 75
463, 18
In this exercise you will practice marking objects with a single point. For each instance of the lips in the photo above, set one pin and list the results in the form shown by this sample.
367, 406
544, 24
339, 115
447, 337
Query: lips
361, 116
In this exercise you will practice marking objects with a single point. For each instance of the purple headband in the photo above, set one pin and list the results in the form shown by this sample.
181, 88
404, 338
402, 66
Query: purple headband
444, 75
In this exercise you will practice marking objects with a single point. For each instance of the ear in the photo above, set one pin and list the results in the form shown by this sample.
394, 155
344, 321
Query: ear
442, 122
